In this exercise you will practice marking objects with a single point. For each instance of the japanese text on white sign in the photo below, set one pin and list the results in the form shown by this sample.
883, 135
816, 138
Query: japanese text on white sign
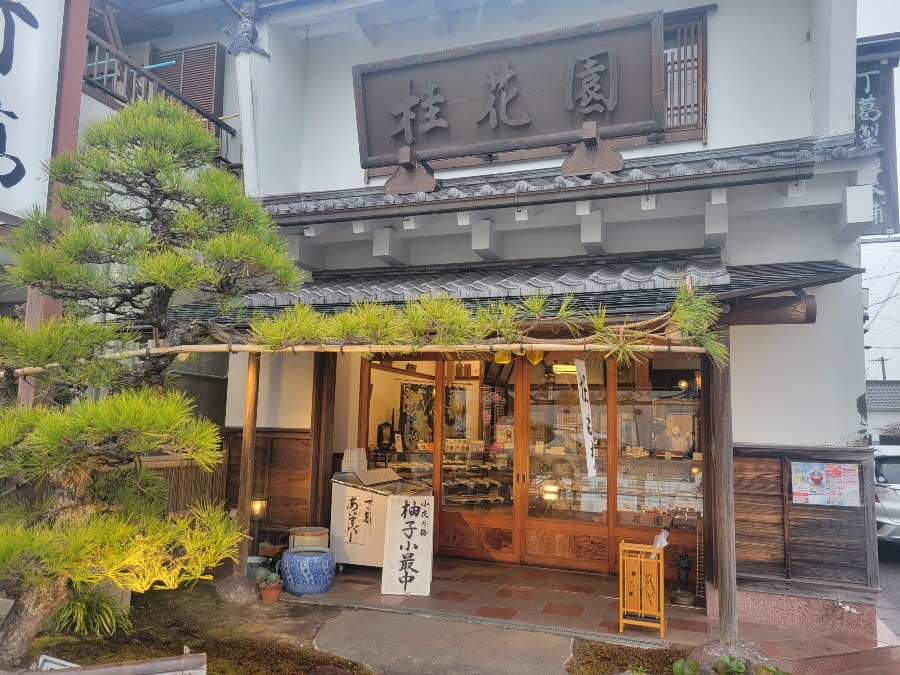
408, 549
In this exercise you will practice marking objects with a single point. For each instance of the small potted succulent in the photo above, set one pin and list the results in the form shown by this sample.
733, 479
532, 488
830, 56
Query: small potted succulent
270, 584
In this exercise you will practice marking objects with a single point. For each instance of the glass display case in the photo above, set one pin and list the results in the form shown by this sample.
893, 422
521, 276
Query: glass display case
474, 476
409, 465
559, 486
649, 490
659, 464
478, 445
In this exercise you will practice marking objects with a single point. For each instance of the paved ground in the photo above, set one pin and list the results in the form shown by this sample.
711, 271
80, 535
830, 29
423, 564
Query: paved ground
440, 646
889, 573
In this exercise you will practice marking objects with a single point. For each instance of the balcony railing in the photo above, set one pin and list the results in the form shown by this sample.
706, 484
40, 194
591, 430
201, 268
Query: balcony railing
115, 74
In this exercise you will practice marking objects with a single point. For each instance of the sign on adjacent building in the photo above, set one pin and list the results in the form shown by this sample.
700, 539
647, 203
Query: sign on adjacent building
875, 127
527, 92
29, 67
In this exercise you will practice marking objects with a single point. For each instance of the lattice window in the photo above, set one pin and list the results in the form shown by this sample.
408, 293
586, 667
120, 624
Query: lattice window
685, 56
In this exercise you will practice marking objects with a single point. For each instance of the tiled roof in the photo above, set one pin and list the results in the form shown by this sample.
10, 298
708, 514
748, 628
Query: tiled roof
637, 286
883, 394
549, 182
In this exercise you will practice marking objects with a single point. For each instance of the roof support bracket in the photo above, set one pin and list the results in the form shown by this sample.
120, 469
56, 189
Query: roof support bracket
592, 155
412, 176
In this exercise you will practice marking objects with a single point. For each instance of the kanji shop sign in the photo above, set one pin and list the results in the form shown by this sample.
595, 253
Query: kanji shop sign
29, 65
408, 538
527, 92
875, 128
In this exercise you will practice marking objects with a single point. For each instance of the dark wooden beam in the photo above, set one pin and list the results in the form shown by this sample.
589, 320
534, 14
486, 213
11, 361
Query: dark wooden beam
769, 311
248, 451
723, 487
324, 378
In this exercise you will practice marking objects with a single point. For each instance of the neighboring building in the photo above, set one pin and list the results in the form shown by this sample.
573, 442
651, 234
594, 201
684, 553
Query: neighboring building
883, 407
720, 142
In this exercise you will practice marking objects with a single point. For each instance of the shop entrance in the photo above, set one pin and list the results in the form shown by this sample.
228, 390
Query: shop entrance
503, 446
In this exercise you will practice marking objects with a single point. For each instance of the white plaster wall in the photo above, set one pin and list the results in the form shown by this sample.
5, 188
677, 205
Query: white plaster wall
91, 111
285, 391
346, 402
755, 95
270, 97
798, 383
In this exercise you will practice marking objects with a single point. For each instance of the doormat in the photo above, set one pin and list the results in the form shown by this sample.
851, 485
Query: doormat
484, 620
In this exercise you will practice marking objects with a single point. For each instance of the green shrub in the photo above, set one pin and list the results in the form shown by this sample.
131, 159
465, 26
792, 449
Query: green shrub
90, 611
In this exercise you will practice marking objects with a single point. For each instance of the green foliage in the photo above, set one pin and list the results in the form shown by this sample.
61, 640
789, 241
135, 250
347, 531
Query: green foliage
43, 444
439, 320
685, 667
499, 320
89, 611
295, 325
694, 315
128, 551
731, 665
69, 347
150, 216
636, 670
264, 577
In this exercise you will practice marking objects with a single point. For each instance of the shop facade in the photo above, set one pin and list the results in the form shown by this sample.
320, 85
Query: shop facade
748, 176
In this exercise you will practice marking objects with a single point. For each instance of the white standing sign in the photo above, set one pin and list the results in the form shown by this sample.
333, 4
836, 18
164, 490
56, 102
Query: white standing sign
408, 550
31, 36
584, 400
358, 519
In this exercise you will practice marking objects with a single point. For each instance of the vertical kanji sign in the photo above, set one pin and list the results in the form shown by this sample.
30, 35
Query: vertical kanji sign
30, 40
358, 519
408, 550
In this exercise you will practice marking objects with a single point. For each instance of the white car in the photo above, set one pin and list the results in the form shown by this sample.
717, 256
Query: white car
887, 492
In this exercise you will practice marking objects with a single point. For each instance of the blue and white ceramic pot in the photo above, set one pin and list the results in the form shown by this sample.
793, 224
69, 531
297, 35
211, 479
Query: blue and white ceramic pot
307, 570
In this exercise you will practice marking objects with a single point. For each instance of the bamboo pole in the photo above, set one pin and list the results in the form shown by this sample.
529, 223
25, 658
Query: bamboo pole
481, 348
248, 451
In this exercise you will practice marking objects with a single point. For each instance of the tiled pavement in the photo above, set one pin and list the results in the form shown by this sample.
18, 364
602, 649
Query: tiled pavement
587, 605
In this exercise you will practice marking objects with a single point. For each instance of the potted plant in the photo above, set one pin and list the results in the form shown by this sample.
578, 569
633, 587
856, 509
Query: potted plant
270, 585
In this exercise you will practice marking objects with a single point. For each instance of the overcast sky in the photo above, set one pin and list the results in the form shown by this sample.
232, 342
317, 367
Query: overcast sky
882, 261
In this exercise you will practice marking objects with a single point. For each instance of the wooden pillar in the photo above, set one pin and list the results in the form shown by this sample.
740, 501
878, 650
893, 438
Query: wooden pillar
723, 488
248, 451
612, 452
324, 379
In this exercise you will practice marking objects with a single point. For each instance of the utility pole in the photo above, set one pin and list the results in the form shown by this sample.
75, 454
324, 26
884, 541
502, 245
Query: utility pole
883, 373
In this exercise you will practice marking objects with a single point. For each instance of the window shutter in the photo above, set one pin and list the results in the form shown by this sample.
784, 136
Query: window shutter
197, 74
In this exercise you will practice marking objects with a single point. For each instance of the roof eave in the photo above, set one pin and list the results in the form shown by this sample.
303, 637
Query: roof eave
793, 172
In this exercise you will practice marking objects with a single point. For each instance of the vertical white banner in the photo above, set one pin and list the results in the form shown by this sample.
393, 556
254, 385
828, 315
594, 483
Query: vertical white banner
31, 35
408, 550
584, 401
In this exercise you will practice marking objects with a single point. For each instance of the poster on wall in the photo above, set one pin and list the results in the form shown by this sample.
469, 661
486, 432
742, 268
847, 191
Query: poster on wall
416, 414
408, 550
455, 411
29, 69
825, 483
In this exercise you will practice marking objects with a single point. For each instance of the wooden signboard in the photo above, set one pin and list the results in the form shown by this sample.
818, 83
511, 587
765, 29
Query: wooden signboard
408, 545
526, 92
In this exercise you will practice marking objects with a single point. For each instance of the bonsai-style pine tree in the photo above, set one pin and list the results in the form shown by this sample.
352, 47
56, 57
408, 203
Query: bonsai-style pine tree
150, 221
77, 504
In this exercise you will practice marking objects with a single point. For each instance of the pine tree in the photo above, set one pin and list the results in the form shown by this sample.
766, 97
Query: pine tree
151, 221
